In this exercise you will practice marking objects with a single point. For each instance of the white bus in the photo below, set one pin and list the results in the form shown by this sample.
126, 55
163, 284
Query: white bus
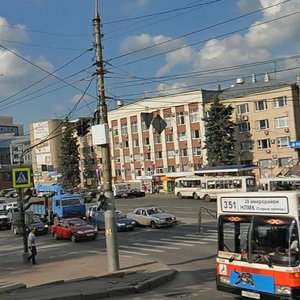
208, 188
288, 183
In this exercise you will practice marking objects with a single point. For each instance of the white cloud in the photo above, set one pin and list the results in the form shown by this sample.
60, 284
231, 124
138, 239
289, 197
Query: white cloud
135, 4
9, 33
249, 5
167, 89
181, 56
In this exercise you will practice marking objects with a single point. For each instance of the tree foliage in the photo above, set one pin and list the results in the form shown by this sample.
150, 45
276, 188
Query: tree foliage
69, 161
220, 134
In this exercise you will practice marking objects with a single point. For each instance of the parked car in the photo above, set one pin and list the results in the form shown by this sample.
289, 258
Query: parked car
11, 194
3, 204
74, 229
5, 221
41, 227
123, 223
152, 216
91, 211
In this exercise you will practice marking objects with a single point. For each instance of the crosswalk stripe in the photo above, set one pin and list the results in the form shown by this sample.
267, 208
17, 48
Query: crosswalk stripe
209, 240
184, 242
186, 237
162, 247
189, 240
133, 252
141, 248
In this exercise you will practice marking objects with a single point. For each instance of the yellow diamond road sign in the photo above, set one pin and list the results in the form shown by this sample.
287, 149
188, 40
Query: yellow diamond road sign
21, 177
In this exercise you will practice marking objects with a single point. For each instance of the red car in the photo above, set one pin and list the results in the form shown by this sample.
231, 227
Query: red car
74, 229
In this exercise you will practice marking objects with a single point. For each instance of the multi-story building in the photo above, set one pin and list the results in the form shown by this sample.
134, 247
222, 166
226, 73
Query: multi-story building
266, 113
8, 132
20, 151
45, 139
140, 151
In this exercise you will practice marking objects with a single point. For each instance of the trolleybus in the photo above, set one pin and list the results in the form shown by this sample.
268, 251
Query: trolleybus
258, 245
208, 187
282, 183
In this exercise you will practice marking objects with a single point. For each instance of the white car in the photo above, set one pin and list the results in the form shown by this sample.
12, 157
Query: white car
3, 204
12, 205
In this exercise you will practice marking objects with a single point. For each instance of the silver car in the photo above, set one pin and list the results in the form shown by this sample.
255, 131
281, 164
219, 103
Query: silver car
152, 216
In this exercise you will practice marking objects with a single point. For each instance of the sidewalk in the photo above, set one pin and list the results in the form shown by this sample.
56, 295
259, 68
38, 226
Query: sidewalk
83, 278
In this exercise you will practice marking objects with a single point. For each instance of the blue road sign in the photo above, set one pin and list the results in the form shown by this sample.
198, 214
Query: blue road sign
21, 177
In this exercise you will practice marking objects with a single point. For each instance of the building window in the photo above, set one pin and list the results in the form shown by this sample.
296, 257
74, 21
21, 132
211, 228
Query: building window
147, 156
159, 170
116, 145
262, 124
194, 116
261, 105
157, 139
244, 127
126, 144
171, 169
115, 131
264, 144
137, 157
127, 158
144, 126
196, 134
182, 136
282, 122
127, 172
283, 142
246, 145
169, 138
135, 143
168, 120
280, 102
180, 118
124, 129
117, 159
134, 127
158, 155
197, 151
146, 141
183, 152
171, 154
284, 161
138, 172
242, 108
265, 163
118, 172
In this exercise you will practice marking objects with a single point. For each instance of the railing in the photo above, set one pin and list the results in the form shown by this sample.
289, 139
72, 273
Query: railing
210, 212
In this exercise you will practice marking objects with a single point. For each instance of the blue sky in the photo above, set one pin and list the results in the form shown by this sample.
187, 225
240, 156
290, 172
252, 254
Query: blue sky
150, 47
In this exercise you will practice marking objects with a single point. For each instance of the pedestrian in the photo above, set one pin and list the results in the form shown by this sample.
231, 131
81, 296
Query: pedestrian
32, 246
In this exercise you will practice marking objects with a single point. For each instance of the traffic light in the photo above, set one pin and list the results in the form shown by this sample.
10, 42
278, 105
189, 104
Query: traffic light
83, 127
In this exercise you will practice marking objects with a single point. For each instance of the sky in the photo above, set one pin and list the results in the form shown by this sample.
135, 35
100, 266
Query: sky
150, 48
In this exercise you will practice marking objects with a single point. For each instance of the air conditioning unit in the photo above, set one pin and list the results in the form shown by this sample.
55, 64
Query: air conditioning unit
286, 130
268, 151
266, 132
245, 117
176, 151
273, 141
173, 115
274, 156
186, 113
177, 166
126, 135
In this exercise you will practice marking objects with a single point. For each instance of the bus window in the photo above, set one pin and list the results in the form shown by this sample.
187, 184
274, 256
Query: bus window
237, 184
250, 182
219, 184
211, 184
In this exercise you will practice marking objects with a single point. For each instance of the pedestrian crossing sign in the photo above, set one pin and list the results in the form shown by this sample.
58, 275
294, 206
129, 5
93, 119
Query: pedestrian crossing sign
21, 177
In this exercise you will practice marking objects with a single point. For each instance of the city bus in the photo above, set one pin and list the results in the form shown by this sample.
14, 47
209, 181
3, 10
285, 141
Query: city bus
208, 187
282, 183
258, 245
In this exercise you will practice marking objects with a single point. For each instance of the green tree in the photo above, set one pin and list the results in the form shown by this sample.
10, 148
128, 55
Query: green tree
69, 161
220, 134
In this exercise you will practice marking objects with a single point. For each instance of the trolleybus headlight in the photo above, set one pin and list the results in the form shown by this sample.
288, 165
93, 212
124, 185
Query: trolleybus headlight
282, 290
225, 280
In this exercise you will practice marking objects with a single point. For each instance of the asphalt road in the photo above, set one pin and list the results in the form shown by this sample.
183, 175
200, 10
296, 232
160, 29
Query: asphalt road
180, 247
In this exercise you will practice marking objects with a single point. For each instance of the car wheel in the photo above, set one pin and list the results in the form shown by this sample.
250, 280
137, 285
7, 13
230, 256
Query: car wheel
179, 195
15, 231
153, 225
207, 198
195, 196
55, 236
73, 238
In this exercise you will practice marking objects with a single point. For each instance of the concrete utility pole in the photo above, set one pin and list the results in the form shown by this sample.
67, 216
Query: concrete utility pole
109, 205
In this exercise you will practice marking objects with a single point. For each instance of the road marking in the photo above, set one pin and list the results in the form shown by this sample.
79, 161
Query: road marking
209, 240
141, 248
177, 243
186, 237
133, 252
163, 247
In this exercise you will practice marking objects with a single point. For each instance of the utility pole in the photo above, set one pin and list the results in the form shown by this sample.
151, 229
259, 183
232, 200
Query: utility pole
109, 204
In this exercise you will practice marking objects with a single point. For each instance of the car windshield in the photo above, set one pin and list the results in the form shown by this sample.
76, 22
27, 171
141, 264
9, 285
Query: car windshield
120, 215
2, 202
154, 210
72, 201
76, 223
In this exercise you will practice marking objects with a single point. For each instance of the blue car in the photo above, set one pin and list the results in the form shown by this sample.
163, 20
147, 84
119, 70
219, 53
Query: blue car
123, 223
